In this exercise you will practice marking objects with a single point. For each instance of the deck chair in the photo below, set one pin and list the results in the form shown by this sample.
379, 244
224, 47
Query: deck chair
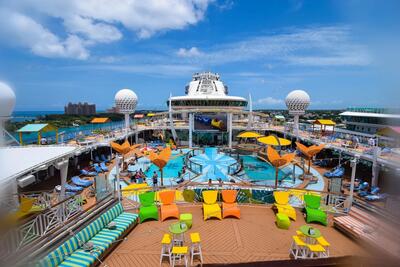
229, 205
148, 209
80, 182
312, 209
210, 205
168, 207
282, 204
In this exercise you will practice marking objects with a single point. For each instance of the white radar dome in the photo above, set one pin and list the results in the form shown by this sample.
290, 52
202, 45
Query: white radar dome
7, 100
297, 101
126, 101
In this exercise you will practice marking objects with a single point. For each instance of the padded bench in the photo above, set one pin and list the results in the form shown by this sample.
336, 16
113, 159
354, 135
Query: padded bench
71, 253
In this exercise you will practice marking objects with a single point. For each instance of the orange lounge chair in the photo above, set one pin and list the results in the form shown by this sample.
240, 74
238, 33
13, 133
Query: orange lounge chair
168, 207
229, 206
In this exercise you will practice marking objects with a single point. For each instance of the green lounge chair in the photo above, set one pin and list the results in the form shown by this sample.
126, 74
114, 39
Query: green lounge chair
313, 212
148, 209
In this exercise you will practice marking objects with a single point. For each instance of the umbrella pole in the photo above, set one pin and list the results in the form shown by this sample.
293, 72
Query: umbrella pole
162, 176
276, 177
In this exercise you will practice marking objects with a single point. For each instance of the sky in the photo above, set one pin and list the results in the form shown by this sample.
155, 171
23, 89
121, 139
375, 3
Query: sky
343, 53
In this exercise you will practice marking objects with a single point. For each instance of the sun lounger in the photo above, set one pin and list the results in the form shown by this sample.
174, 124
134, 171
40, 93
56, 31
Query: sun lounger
148, 209
210, 205
168, 207
312, 209
80, 182
88, 173
282, 204
97, 159
104, 159
97, 168
229, 206
69, 188
103, 167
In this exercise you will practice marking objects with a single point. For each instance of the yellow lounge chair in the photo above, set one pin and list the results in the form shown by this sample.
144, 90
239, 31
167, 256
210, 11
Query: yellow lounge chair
282, 204
210, 205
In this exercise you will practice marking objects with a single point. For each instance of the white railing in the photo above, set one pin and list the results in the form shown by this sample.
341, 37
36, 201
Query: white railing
40, 225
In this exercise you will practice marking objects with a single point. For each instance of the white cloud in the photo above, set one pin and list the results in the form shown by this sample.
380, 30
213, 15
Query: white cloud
192, 52
24, 31
316, 46
270, 101
92, 21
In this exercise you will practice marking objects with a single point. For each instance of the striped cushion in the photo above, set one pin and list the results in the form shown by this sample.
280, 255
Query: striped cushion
112, 213
81, 258
89, 231
55, 257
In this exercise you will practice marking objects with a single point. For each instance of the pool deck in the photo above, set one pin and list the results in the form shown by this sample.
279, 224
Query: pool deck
253, 238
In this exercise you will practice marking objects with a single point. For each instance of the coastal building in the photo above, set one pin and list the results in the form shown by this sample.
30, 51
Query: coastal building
370, 120
80, 109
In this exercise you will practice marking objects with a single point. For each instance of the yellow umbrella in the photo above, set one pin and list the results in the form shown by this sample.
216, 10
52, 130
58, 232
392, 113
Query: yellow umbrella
150, 114
273, 141
249, 135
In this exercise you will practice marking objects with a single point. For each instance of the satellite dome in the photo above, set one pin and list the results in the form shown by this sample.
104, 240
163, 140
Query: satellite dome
126, 101
7, 100
297, 101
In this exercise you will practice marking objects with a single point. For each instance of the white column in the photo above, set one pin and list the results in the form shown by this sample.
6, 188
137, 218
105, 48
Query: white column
375, 166
117, 182
250, 118
190, 130
136, 137
353, 165
63, 167
126, 125
230, 130
296, 125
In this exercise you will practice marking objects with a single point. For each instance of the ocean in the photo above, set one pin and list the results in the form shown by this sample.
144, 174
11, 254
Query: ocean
19, 116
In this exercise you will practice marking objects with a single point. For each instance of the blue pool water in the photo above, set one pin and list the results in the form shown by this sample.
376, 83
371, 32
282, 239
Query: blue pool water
258, 170
170, 170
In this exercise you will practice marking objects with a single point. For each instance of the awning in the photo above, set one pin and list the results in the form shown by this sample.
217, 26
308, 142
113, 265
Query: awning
38, 127
325, 122
249, 135
273, 141
18, 161
100, 120
138, 116
279, 117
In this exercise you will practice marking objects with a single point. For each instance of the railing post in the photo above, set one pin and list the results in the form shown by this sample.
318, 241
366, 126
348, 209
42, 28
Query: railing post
353, 165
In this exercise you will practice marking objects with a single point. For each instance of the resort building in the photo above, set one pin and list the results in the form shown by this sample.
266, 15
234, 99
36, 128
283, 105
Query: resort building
80, 109
370, 120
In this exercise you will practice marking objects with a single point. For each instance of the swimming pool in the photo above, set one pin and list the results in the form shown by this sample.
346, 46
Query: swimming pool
171, 170
257, 170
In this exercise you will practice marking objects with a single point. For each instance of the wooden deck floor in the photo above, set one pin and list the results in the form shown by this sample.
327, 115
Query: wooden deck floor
254, 237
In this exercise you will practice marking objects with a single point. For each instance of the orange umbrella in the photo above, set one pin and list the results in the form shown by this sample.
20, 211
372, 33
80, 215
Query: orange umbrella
278, 160
309, 152
160, 160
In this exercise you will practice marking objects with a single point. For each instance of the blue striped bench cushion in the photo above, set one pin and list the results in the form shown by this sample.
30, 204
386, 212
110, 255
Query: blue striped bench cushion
58, 255
81, 258
112, 213
89, 231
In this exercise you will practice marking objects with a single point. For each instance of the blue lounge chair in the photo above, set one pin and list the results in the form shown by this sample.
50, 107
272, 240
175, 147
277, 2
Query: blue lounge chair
103, 167
88, 173
97, 159
80, 182
97, 168
362, 187
69, 188
335, 173
104, 159
377, 197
